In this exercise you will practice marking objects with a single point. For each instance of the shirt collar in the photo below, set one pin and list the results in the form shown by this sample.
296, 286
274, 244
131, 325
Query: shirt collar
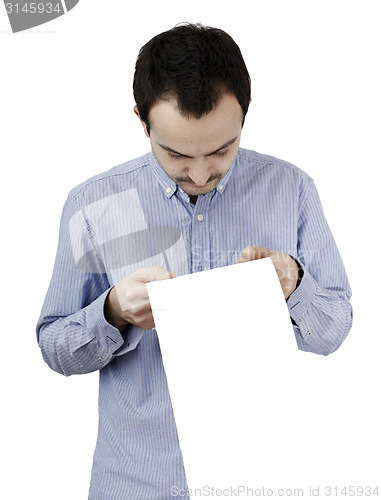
169, 186
220, 188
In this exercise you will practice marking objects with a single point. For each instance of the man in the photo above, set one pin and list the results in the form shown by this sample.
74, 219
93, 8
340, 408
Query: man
196, 202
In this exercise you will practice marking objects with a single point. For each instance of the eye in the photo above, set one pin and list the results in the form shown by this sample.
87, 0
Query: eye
174, 156
220, 155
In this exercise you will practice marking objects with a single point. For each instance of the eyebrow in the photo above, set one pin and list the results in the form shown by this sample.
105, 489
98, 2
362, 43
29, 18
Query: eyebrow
170, 150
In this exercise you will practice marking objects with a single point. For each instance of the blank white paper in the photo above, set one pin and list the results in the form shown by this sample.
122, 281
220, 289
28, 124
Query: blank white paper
226, 340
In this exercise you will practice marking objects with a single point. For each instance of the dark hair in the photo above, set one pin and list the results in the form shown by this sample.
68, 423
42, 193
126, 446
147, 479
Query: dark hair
194, 63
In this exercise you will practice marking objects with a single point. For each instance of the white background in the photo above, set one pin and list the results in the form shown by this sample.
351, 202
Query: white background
66, 114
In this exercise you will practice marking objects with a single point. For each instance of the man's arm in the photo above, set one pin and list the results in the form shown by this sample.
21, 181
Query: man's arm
72, 331
314, 281
320, 305
84, 322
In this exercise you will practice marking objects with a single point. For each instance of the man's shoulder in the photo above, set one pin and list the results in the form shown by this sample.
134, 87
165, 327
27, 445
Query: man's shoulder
111, 179
274, 166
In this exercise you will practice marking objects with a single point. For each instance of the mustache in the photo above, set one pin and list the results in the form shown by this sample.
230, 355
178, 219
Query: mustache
188, 180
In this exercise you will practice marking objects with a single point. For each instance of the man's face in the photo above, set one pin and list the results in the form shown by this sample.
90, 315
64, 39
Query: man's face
196, 153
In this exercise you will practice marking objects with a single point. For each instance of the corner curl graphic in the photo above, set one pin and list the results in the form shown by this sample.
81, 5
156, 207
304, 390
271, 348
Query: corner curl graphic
24, 15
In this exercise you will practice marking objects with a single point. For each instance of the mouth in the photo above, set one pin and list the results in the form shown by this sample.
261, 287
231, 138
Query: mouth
197, 186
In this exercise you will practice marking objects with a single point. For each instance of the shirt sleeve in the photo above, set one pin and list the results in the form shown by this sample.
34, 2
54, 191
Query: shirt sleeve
72, 331
319, 307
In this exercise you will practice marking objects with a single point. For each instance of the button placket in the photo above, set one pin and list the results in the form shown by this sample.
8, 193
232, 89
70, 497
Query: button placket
200, 234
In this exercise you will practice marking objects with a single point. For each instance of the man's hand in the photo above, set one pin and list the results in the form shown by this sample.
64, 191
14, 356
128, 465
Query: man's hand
286, 268
128, 301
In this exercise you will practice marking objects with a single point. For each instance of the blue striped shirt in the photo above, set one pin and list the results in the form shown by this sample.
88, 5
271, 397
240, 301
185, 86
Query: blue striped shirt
135, 216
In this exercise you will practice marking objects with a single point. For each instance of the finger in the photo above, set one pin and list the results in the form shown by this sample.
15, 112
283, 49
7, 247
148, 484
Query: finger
154, 273
254, 253
144, 321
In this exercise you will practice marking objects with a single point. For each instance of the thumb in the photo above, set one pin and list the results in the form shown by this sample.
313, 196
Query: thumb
154, 273
253, 253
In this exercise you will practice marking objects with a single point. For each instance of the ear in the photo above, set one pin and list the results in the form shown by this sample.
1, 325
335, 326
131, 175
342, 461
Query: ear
136, 111
243, 121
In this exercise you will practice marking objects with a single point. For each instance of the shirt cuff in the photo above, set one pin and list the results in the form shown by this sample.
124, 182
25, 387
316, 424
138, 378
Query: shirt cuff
106, 334
302, 298
116, 343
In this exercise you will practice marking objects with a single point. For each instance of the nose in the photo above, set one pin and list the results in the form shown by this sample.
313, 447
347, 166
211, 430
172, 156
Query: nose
199, 173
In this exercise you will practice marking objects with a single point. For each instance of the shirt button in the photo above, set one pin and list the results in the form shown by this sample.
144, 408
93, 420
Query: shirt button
200, 217
309, 332
220, 187
169, 190
100, 359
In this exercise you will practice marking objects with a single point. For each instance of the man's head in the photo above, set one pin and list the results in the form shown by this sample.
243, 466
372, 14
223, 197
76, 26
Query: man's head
192, 93
196, 65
